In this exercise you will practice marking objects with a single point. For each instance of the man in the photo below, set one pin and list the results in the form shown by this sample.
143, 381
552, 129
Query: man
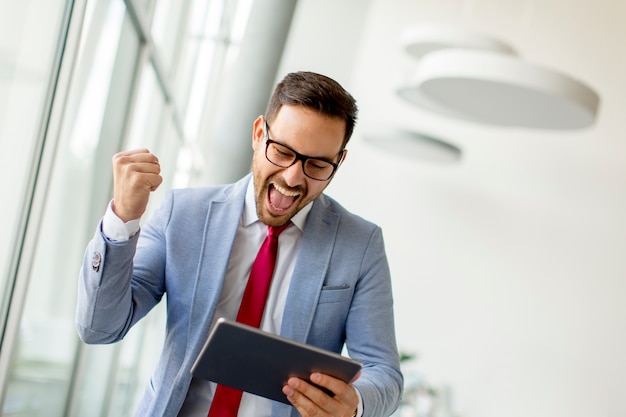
330, 286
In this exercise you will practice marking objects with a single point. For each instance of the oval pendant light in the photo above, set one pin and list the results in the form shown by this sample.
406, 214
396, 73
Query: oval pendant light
474, 80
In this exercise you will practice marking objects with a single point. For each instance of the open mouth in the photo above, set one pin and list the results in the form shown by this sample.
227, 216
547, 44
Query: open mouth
281, 199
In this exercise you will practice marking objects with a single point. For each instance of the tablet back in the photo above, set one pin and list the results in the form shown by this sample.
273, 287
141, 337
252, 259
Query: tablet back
260, 363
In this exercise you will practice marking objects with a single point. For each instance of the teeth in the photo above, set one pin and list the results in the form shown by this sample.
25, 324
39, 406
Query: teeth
285, 191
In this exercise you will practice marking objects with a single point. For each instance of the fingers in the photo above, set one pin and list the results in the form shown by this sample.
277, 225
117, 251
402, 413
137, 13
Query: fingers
136, 173
140, 170
309, 400
140, 160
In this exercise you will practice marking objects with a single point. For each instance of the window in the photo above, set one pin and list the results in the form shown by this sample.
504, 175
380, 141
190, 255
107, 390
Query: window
29, 34
128, 89
46, 345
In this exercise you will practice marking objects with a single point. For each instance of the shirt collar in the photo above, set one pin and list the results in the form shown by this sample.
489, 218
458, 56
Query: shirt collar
250, 215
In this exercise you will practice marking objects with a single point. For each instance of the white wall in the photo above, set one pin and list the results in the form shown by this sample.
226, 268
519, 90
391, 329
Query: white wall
508, 267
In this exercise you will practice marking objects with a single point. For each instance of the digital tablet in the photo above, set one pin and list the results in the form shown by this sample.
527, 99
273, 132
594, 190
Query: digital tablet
260, 363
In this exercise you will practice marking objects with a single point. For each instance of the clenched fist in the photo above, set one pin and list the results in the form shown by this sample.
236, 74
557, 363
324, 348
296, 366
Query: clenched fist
135, 175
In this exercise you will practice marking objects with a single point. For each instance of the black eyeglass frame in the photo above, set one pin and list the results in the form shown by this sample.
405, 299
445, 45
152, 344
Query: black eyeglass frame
299, 156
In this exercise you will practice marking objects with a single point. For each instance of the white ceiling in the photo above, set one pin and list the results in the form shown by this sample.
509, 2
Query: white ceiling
509, 265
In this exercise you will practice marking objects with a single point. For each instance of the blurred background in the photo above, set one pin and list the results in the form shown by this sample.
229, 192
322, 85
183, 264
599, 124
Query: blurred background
506, 240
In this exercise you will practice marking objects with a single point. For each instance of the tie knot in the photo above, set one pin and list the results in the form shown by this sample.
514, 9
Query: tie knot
274, 231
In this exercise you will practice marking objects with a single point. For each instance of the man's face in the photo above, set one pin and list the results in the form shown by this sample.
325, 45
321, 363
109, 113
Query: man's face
281, 192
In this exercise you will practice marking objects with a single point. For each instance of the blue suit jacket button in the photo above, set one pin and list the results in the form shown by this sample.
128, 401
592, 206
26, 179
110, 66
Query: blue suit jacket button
96, 261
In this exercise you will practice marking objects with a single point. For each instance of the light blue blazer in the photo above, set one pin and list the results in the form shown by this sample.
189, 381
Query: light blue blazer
340, 291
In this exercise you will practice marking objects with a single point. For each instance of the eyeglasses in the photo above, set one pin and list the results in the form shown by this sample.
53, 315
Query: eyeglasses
283, 156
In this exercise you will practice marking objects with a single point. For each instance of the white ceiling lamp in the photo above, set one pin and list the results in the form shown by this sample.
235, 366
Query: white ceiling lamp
420, 40
473, 78
413, 145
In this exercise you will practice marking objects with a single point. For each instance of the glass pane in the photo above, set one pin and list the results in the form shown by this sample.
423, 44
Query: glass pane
211, 41
143, 6
196, 60
47, 346
166, 26
169, 150
147, 118
29, 36
138, 358
92, 396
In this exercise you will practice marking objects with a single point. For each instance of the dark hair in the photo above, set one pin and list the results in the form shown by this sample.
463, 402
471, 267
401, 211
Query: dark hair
316, 92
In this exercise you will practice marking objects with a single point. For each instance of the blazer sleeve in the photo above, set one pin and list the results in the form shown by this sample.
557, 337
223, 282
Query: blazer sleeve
370, 333
115, 290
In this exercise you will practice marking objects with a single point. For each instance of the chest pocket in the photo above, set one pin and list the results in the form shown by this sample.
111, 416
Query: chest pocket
335, 294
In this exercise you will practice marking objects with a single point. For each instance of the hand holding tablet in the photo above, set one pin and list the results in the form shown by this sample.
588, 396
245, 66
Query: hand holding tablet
261, 363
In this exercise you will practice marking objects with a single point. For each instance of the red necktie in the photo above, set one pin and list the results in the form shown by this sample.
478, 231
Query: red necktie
226, 400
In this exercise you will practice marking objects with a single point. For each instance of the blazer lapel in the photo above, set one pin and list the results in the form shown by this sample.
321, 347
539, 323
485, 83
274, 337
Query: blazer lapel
222, 221
311, 265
